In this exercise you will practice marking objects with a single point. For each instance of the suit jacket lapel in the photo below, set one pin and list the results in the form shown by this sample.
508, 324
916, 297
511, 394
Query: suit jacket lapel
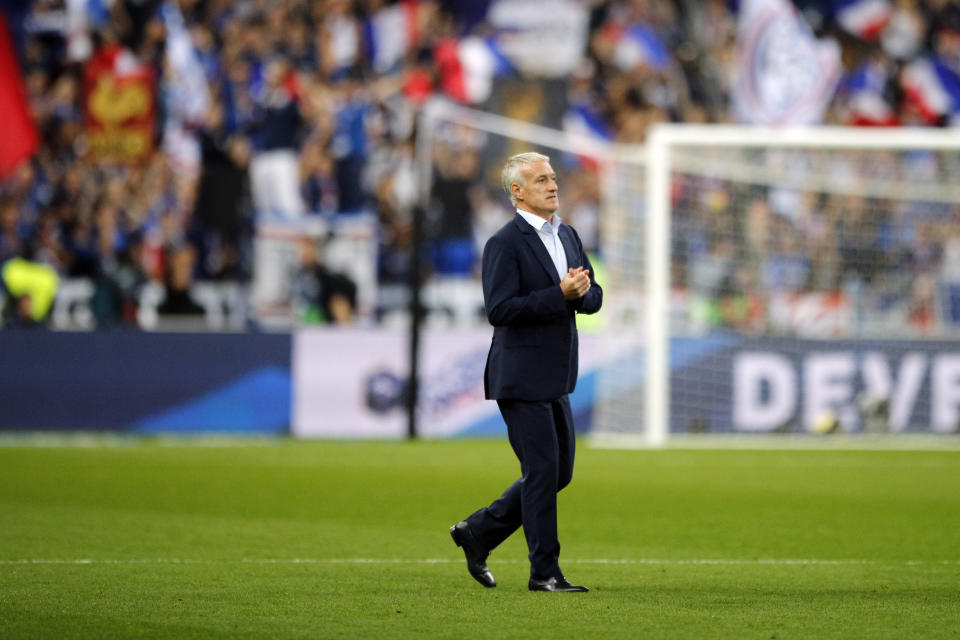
536, 245
569, 247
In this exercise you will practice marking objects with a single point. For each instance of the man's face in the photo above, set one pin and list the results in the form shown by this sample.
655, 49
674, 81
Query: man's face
540, 193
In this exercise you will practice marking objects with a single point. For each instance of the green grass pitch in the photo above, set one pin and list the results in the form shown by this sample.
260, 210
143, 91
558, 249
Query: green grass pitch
283, 539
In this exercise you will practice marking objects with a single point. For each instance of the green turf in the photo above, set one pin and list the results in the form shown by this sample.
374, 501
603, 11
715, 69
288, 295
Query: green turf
317, 540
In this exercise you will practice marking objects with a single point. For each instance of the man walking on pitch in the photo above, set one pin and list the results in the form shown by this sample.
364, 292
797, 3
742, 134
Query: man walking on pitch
536, 278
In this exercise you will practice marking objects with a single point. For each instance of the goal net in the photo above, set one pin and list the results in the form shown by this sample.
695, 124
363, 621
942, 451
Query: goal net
784, 282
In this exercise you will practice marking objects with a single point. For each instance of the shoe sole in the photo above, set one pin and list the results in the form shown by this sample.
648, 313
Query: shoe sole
457, 542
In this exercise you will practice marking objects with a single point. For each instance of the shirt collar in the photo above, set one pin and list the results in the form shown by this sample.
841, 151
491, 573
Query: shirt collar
537, 222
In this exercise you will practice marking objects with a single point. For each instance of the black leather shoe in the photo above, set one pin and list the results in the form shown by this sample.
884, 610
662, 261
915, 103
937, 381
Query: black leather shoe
557, 583
475, 553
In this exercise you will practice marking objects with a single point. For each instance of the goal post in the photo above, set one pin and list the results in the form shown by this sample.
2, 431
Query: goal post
657, 280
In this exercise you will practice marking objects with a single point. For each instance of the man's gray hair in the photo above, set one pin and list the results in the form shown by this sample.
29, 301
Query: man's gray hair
513, 170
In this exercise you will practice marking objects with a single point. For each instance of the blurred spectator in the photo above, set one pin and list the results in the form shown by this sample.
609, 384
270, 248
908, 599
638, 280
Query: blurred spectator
351, 107
223, 212
787, 268
276, 132
453, 249
178, 280
321, 296
29, 288
714, 268
581, 205
858, 241
10, 229
739, 303
117, 287
311, 107
318, 182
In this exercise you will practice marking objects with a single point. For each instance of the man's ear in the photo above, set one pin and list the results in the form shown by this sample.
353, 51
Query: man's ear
516, 190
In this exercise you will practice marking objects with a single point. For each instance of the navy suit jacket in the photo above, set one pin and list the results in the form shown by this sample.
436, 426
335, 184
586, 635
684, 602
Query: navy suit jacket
533, 355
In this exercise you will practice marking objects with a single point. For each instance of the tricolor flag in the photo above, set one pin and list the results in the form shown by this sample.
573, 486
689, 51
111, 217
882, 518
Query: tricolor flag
785, 76
863, 92
391, 33
19, 138
467, 67
864, 18
587, 126
639, 45
583, 119
933, 89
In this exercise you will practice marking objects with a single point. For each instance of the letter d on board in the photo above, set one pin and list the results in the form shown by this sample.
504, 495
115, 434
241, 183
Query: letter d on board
764, 391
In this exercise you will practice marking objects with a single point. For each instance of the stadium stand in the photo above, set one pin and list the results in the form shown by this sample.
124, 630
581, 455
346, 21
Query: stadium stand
297, 109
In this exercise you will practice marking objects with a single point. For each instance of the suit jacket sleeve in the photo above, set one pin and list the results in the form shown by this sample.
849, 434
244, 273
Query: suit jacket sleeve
504, 302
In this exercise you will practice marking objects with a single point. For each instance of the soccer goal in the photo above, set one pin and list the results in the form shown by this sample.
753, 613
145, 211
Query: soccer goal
793, 282
790, 283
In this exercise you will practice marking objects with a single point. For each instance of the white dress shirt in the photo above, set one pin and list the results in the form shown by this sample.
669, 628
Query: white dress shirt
549, 233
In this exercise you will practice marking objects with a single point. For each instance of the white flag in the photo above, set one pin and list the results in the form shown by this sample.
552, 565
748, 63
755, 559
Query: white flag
186, 94
784, 75
188, 80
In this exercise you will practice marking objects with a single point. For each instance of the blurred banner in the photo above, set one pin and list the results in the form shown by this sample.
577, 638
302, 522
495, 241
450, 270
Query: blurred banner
353, 384
796, 386
541, 37
785, 76
119, 94
20, 138
332, 383
145, 382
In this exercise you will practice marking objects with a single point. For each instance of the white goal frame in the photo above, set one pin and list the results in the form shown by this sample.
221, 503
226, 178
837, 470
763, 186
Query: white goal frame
661, 139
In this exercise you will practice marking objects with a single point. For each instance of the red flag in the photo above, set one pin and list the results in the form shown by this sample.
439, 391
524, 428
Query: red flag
18, 135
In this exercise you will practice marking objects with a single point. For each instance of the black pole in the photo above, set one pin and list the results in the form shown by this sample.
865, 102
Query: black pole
424, 163
416, 320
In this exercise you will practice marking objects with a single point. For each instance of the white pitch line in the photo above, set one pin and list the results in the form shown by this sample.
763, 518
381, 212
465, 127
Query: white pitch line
428, 561
102, 561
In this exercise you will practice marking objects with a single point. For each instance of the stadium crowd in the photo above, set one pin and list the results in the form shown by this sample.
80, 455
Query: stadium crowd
306, 108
